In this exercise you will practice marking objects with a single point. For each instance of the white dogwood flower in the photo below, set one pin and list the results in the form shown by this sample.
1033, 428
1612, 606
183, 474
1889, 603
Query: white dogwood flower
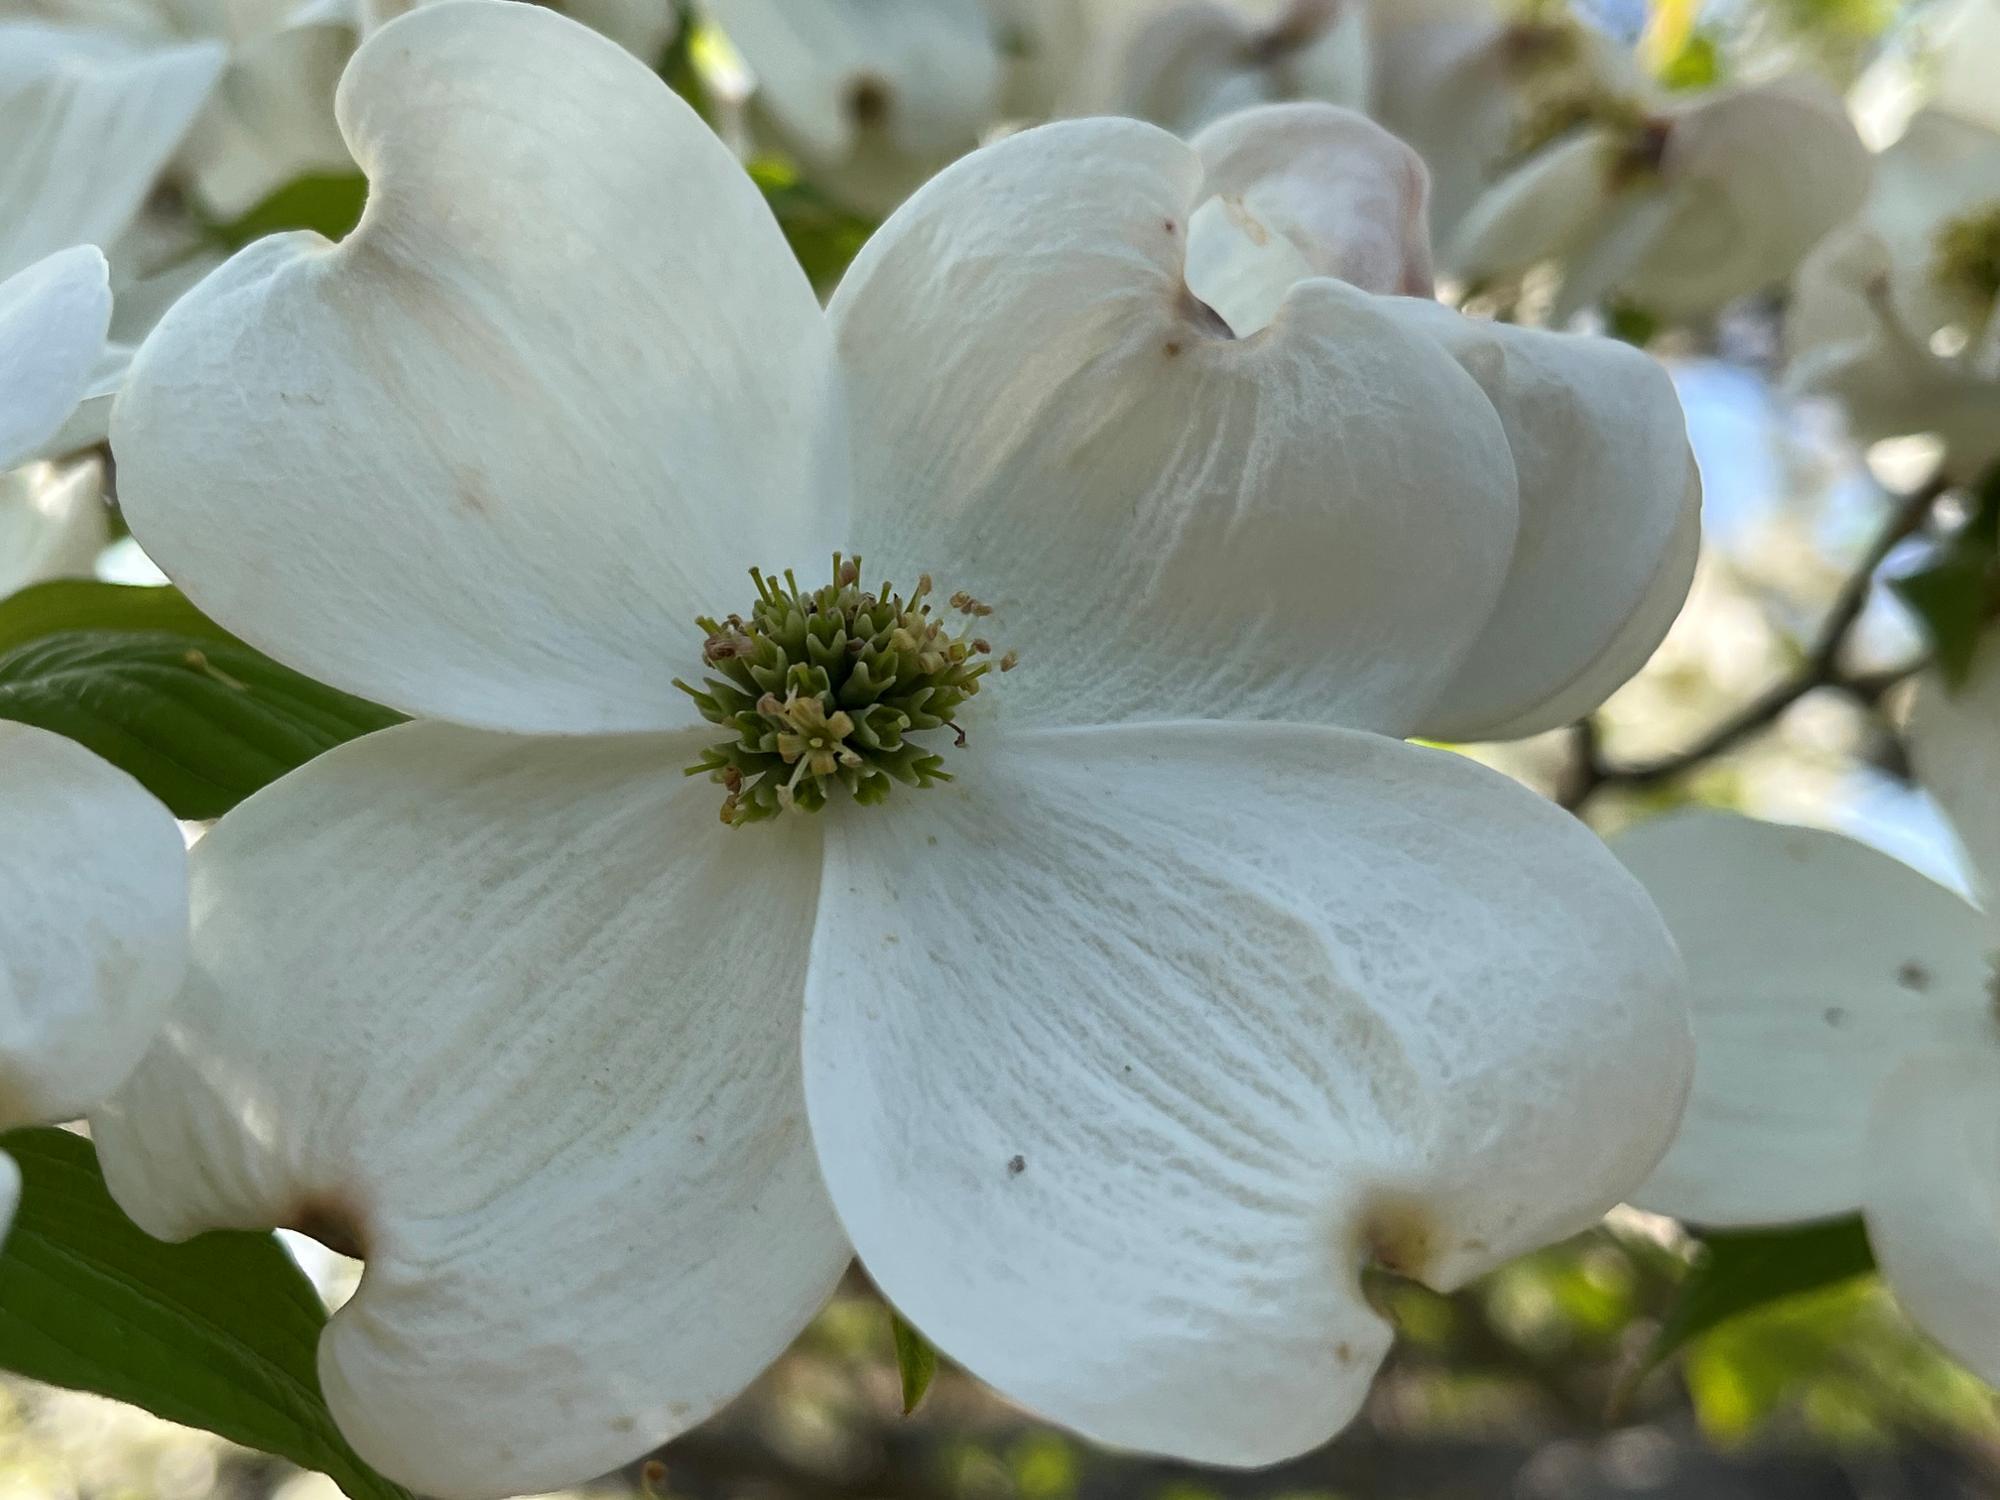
872, 96
1118, 1055
1470, 83
1847, 1030
1898, 314
1678, 204
93, 930
241, 101
1186, 64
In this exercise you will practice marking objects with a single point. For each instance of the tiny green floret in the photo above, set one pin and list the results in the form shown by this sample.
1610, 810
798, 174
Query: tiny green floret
821, 690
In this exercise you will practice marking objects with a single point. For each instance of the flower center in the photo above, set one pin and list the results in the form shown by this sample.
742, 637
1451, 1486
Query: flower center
821, 690
1967, 260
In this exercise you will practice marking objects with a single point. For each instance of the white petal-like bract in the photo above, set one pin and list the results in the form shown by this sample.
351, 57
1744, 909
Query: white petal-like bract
1933, 1198
488, 457
1126, 1057
53, 318
1311, 523
93, 925
1956, 751
1819, 966
1610, 523
517, 1021
88, 119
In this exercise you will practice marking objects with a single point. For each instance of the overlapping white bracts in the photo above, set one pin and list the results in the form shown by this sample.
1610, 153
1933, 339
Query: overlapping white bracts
1848, 1051
1185, 944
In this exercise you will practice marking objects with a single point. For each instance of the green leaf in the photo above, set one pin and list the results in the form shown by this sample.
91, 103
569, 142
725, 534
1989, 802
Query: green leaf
1952, 600
1741, 1271
76, 604
1958, 594
140, 677
219, 1333
1697, 66
328, 203
823, 236
916, 1362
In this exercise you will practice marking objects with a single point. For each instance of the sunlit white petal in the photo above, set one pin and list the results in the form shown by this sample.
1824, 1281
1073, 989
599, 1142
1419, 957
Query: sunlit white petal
517, 1020
1819, 966
1610, 523
1954, 743
53, 318
1933, 1198
593, 384
1125, 1056
1168, 521
1338, 189
93, 925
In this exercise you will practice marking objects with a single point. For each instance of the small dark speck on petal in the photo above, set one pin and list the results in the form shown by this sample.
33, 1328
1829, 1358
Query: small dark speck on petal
1016, 1165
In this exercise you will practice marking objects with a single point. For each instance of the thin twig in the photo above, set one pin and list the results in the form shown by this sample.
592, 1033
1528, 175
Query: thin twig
1821, 669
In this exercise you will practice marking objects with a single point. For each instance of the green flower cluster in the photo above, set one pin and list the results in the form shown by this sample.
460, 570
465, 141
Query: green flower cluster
821, 690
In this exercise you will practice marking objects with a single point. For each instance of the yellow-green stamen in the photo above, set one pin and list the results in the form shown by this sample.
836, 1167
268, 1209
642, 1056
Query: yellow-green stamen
820, 690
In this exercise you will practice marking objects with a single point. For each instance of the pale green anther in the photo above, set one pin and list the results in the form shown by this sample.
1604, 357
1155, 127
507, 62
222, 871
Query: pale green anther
819, 691
1967, 260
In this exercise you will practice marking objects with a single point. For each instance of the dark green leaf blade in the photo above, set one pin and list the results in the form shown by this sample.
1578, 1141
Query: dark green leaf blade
1952, 598
916, 1362
1739, 1271
218, 1333
138, 676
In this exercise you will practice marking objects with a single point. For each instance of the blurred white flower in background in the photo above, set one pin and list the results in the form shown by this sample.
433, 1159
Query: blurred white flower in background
1472, 83
1679, 204
1847, 1023
253, 78
1186, 64
644, 28
89, 120
1194, 993
1897, 315
870, 96
93, 930
1942, 56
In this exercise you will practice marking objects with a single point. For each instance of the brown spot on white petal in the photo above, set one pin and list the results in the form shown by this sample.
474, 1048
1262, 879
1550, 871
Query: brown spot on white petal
470, 495
1912, 975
